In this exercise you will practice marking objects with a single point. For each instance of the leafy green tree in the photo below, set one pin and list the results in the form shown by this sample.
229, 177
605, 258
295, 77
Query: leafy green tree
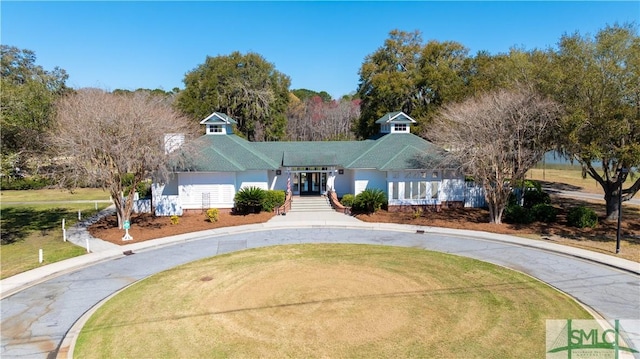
600, 89
516, 69
155, 92
304, 94
441, 79
388, 80
26, 103
404, 75
245, 87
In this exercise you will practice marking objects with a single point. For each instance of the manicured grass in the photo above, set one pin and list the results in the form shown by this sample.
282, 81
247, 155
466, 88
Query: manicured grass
571, 176
332, 301
80, 194
26, 228
22, 256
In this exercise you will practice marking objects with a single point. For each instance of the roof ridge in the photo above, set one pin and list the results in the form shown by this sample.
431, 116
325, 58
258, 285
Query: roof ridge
375, 144
249, 146
406, 147
228, 159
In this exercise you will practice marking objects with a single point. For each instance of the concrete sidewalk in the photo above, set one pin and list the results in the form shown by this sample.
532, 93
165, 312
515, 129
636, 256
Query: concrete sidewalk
102, 250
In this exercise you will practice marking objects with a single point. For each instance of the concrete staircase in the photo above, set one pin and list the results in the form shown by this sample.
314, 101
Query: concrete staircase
310, 204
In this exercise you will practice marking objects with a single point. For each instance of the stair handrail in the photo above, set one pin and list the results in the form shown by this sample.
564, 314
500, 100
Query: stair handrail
286, 206
335, 203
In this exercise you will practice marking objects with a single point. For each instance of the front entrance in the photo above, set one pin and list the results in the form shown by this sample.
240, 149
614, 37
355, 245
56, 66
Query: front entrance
311, 183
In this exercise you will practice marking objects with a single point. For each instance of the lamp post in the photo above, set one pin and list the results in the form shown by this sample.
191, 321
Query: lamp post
623, 174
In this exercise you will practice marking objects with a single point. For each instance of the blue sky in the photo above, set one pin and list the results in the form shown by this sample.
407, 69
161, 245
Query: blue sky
319, 45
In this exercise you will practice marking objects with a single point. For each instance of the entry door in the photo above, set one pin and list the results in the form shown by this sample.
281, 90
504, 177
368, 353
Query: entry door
309, 183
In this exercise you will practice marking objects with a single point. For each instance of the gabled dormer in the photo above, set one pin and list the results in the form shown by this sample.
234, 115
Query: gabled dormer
218, 124
395, 122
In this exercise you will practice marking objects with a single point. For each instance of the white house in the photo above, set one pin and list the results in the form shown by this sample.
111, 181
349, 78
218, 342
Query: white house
406, 167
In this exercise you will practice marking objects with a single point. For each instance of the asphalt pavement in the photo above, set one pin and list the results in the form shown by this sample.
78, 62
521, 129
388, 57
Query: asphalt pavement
43, 310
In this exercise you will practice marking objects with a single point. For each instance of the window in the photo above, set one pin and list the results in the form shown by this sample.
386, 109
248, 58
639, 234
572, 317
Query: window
415, 194
423, 190
215, 128
407, 190
394, 189
400, 127
434, 189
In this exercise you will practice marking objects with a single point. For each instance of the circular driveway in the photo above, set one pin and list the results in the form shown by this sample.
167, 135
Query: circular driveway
36, 320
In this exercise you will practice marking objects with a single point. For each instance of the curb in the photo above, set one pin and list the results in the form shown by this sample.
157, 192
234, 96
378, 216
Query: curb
19, 282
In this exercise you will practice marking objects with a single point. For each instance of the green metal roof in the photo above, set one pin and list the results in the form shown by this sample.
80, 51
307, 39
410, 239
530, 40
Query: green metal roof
397, 151
394, 151
230, 153
226, 153
309, 159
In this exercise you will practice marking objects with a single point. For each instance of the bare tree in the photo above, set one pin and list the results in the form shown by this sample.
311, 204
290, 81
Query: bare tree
317, 120
497, 138
102, 137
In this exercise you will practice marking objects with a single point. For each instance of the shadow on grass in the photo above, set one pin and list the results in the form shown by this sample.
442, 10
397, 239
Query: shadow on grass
554, 187
17, 222
605, 231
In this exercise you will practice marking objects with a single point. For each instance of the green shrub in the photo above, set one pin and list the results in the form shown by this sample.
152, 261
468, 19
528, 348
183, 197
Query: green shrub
143, 189
535, 197
25, 183
582, 217
417, 213
532, 196
517, 214
529, 185
369, 200
175, 219
544, 212
272, 199
212, 215
347, 200
249, 200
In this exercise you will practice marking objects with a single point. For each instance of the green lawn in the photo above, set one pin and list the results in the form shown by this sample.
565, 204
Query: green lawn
571, 176
26, 228
80, 194
329, 301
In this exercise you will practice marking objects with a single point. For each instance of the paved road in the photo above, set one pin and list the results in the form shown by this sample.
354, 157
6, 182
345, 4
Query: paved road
35, 320
584, 195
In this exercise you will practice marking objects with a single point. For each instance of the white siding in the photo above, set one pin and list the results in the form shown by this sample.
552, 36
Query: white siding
253, 179
343, 183
279, 182
452, 190
220, 186
165, 197
369, 179
168, 206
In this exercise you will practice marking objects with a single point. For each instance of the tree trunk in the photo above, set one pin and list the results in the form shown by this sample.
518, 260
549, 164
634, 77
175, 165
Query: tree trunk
612, 199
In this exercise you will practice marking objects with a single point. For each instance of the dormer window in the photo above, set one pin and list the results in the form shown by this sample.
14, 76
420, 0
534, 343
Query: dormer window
400, 127
213, 129
218, 124
395, 122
